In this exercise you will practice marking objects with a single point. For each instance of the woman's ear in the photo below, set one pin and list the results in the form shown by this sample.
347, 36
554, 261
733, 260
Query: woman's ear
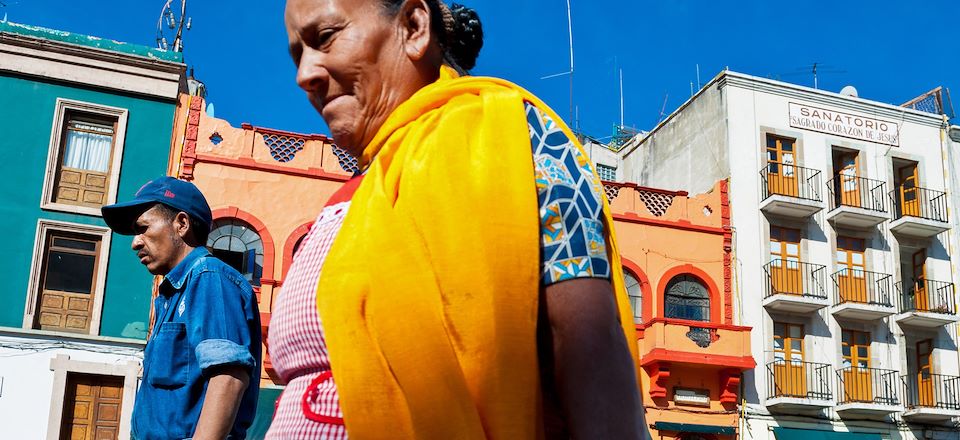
414, 20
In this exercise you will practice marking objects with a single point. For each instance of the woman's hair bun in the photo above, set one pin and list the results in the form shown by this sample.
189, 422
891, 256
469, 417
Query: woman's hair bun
466, 40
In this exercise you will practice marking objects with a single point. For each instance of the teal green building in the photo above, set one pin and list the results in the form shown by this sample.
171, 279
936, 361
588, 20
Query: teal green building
84, 121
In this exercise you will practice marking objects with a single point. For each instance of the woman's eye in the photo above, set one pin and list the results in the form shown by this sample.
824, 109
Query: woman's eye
324, 37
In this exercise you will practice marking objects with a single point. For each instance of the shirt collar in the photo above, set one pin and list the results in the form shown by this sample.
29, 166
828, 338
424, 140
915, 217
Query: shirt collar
178, 275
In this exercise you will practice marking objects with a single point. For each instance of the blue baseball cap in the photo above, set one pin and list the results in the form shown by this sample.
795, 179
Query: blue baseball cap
177, 194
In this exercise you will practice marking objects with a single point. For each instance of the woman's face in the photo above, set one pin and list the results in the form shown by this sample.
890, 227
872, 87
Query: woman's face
351, 61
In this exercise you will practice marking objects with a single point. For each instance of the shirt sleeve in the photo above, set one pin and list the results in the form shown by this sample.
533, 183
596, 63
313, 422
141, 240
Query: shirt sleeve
218, 322
572, 238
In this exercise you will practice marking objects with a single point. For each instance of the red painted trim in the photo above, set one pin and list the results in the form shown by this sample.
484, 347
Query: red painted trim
646, 291
250, 164
689, 269
268, 245
645, 188
265, 130
689, 323
297, 234
188, 157
660, 356
683, 225
727, 251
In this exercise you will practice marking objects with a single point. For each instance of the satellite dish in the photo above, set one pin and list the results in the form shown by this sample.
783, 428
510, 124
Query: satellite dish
849, 91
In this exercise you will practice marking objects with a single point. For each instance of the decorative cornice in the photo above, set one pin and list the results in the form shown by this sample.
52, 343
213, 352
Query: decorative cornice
39, 57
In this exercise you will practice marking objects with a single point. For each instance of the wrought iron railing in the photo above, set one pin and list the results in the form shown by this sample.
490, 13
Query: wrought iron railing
862, 287
926, 390
868, 385
919, 202
790, 180
928, 296
804, 380
793, 277
858, 192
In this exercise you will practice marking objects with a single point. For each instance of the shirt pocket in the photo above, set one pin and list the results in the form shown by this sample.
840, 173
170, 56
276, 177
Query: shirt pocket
170, 359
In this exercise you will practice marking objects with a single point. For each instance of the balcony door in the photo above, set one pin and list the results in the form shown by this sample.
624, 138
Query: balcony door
857, 383
785, 271
920, 295
789, 374
781, 169
907, 183
925, 373
851, 280
846, 169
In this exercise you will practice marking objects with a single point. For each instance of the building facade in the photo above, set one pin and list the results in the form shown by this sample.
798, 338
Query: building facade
84, 120
265, 187
679, 269
843, 238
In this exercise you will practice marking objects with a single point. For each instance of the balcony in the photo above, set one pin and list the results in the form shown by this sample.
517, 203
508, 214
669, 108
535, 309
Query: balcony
790, 191
918, 212
798, 386
856, 202
862, 295
720, 348
927, 303
794, 287
931, 398
867, 392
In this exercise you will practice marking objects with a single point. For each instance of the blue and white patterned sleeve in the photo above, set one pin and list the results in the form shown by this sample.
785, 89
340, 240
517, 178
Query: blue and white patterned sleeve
571, 212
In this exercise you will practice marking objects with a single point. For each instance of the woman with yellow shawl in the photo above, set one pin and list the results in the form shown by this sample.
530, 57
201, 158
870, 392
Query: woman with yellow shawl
466, 283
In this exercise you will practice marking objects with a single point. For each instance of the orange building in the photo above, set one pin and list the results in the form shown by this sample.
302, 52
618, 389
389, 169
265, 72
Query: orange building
677, 257
267, 186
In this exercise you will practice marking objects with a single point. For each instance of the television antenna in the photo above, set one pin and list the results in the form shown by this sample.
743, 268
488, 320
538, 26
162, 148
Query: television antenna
168, 21
569, 72
814, 69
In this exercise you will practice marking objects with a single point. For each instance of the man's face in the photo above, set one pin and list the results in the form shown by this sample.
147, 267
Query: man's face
157, 243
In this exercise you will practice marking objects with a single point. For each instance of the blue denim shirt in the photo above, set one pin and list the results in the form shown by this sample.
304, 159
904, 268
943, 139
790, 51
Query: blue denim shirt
206, 316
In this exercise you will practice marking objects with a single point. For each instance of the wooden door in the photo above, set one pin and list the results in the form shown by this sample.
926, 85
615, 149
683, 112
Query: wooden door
69, 280
789, 370
91, 407
786, 273
925, 396
909, 195
921, 296
851, 279
781, 166
857, 379
848, 182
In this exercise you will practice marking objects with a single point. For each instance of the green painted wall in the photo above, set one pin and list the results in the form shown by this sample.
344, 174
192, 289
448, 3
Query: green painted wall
26, 116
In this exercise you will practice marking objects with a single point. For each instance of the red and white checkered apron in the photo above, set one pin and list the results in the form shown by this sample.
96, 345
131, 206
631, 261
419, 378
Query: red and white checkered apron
309, 407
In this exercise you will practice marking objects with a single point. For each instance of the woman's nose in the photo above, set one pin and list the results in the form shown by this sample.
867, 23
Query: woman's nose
312, 75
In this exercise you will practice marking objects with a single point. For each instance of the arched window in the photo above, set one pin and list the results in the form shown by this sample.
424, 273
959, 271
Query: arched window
687, 298
238, 244
634, 292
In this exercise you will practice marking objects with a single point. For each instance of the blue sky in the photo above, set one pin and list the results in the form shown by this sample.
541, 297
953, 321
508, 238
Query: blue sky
890, 50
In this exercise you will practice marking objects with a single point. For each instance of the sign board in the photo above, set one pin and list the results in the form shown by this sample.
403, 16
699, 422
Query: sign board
863, 128
691, 396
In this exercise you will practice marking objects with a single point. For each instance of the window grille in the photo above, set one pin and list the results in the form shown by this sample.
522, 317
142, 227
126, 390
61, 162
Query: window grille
687, 298
236, 243
606, 172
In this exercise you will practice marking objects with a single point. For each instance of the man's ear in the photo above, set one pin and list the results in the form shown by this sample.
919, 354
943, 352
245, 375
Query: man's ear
414, 20
181, 224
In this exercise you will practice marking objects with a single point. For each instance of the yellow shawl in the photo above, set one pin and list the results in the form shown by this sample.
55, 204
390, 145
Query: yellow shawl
429, 293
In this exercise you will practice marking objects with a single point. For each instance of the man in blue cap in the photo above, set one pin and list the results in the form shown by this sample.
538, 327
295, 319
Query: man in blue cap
202, 362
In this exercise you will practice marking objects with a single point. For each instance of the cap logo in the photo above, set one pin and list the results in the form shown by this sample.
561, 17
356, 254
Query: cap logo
169, 194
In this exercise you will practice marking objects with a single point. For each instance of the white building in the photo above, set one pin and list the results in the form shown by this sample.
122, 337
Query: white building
845, 235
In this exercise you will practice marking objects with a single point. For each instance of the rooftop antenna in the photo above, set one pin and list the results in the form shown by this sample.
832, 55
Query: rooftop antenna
663, 108
698, 76
569, 72
171, 21
621, 97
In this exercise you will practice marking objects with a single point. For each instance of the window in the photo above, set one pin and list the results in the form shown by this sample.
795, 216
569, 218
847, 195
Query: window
67, 278
236, 243
634, 292
606, 172
84, 159
687, 298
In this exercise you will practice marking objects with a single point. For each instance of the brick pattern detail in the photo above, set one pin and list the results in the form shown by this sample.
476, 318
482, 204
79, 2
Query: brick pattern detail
189, 154
656, 202
283, 148
727, 252
348, 163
